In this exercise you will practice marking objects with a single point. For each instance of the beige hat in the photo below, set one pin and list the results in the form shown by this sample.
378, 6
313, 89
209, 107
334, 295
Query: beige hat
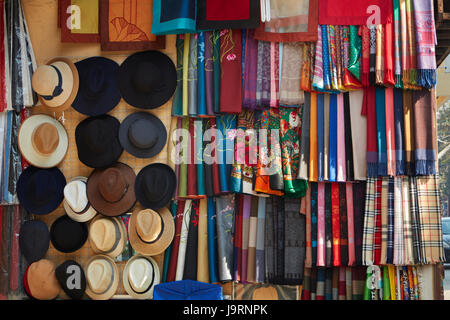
43, 141
76, 203
107, 235
56, 84
102, 277
40, 280
151, 232
140, 276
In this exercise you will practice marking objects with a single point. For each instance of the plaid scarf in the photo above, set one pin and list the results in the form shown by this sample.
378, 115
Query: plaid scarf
407, 223
384, 219
390, 222
369, 223
377, 229
415, 217
426, 40
398, 223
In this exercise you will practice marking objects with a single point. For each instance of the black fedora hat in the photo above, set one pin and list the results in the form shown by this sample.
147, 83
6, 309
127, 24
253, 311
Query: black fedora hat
71, 278
68, 235
97, 140
98, 92
40, 191
142, 134
147, 79
155, 185
34, 239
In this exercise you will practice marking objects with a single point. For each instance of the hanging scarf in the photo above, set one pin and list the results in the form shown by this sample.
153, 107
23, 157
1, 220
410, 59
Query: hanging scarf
305, 139
406, 66
397, 45
321, 258
377, 223
348, 139
263, 74
390, 131
340, 58
306, 289
250, 70
384, 219
372, 54
335, 203
341, 286
415, 218
320, 295
409, 132
389, 51
350, 224
328, 226
398, 222
192, 182
314, 209
192, 77
364, 32
290, 93
359, 197
335, 284
275, 179
247, 201
349, 55
202, 259
318, 79
237, 240
216, 54
333, 137
259, 268
320, 135
390, 222
326, 59
343, 233
369, 223
379, 63
201, 94
190, 261
176, 240
333, 56
167, 253
425, 142
326, 137
313, 161
411, 43
381, 131
399, 128
341, 170
209, 73
212, 252
226, 124
225, 212
207, 160
426, 40
305, 79
358, 129
355, 51
274, 73
177, 102
181, 259
215, 163
184, 158
308, 252
185, 90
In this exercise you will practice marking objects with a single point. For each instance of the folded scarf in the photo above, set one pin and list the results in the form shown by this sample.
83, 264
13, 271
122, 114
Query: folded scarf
320, 135
341, 164
350, 224
336, 225
389, 51
390, 222
425, 142
263, 74
355, 51
321, 257
290, 93
313, 161
379, 63
348, 139
314, 209
358, 129
305, 139
343, 224
381, 131
390, 131
177, 102
399, 128
369, 223
359, 197
328, 226
425, 42
192, 77
318, 79
397, 45
326, 136
333, 137
250, 70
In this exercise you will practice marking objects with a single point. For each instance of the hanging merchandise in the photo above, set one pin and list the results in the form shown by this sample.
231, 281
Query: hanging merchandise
174, 17
79, 21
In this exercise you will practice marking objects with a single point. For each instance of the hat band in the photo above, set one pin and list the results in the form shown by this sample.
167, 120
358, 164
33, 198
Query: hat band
159, 235
58, 89
111, 282
121, 197
86, 208
118, 237
150, 285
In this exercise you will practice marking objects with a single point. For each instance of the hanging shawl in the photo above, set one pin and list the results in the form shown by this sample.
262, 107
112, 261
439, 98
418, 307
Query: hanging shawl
425, 142
335, 207
177, 102
185, 90
411, 43
167, 253
237, 240
390, 132
276, 178
320, 135
358, 124
217, 59
355, 50
308, 250
399, 128
384, 219
333, 56
307, 62
226, 124
372, 54
350, 223
190, 262
320, 288
415, 217
339, 58
398, 258
250, 70
341, 170
259, 269
314, 224
348, 12
326, 59
348, 139
313, 161
359, 197
377, 224
369, 223
409, 132
348, 57
290, 93
407, 223
379, 64
326, 137
364, 32
203, 263
381, 131
212, 251
201, 94
343, 233
390, 222
263, 75
209, 73
389, 51
321, 258
246, 208
425, 42
225, 211
333, 137
397, 45
176, 240
318, 81
305, 139
328, 226
192, 77
183, 241
274, 73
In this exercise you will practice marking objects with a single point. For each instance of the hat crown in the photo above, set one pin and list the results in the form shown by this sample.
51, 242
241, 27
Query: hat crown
75, 195
45, 138
41, 187
102, 233
99, 275
155, 186
42, 280
148, 77
142, 134
149, 225
98, 136
140, 274
112, 185
44, 80
96, 81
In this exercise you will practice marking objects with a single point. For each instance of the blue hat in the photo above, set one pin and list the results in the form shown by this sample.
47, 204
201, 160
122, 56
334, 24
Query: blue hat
41, 191
187, 290
98, 92
34, 240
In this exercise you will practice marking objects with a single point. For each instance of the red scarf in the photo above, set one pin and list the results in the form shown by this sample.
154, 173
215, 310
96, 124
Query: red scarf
336, 226
350, 12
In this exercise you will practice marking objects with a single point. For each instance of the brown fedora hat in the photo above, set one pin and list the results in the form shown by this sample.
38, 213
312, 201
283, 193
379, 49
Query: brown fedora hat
56, 84
151, 232
40, 280
107, 235
111, 190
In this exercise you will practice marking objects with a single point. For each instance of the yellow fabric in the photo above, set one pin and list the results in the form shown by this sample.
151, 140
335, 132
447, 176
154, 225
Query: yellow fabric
88, 16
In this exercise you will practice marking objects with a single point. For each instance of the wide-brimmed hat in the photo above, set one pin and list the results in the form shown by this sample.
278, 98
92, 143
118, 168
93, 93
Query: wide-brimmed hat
102, 277
147, 79
111, 191
76, 203
142, 134
34, 240
151, 232
140, 275
43, 141
56, 84
68, 235
71, 278
40, 191
98, 92
107, 235
40, 281
97, 140
155, 185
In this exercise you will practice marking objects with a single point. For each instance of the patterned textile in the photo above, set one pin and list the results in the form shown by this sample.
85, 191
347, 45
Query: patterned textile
290, 93
398, 258
318, 63
335, 203
369, 223
314, 209
390, 222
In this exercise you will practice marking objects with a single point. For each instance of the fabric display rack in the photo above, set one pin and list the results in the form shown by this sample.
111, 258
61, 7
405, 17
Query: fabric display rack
302, 135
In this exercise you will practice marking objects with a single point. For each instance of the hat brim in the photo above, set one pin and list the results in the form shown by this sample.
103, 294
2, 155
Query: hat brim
113, 288
140, 195
160, 245
83, 217
27, 150
78, 245
149, 100
52, 204
132, 149
126, 284
104, 207
103, 102
76, 82
122, 242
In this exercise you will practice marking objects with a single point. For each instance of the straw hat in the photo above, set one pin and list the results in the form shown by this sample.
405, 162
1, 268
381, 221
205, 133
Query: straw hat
107, 235
43, 141
140, 276
76, 203
56, 84
151, 232
102, 277
40, 281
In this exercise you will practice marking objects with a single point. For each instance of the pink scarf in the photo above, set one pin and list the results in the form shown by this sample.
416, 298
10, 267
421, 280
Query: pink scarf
320, 224
350, 224
390, 131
